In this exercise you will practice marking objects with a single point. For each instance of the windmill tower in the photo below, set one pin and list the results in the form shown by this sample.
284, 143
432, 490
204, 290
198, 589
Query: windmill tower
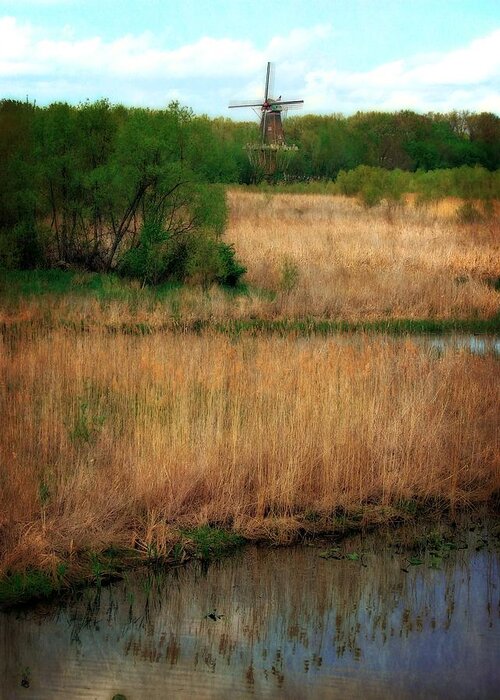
272, 153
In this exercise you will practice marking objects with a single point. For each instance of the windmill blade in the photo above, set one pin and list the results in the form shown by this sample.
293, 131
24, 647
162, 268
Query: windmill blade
246, 103
266, 91
293, 108
272, 73
286, 102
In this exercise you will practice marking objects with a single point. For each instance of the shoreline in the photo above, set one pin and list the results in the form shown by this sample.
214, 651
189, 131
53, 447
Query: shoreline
438, 528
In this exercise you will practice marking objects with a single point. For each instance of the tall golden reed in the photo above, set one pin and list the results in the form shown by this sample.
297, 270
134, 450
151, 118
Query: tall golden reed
356, 263
112, 438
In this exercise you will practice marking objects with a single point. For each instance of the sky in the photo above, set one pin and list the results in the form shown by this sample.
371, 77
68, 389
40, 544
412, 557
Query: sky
337, 55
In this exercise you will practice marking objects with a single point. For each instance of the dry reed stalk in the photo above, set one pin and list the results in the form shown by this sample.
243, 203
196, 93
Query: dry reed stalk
111, 439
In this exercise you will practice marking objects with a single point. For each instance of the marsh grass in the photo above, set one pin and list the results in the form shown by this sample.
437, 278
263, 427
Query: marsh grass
266, 436
317, 257
146, 420
352, 263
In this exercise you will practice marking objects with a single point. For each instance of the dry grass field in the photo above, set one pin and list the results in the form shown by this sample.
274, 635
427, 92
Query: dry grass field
320, 257
333, 258
117, 439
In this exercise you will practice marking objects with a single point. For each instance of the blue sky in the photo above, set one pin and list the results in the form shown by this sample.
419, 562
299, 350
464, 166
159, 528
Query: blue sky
338, 55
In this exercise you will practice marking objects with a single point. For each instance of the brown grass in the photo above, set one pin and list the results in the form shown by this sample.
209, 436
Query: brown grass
356, 263
112, 440
324, 257
115, 439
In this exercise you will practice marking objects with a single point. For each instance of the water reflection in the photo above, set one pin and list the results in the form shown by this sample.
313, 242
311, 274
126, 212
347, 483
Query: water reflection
436, 344
475, 344
269, 623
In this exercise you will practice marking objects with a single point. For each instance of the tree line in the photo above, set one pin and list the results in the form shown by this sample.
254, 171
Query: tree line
403, 140
105, 188
140, 191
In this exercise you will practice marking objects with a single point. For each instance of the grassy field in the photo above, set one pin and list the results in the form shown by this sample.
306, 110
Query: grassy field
113, 440
313, 257
128, 440
330, 257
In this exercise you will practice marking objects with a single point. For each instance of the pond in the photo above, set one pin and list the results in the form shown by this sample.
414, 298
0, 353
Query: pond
363, 618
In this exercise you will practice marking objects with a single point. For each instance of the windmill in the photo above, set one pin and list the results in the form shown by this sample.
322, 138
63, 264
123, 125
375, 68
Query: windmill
272, 152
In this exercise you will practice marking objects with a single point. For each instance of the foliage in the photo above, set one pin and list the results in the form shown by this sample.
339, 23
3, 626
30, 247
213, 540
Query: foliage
373, 184
198, 255
148, 260
100, 187
404, 140
231, 270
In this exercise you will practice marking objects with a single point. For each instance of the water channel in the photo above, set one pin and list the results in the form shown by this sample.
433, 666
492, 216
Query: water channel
369, 619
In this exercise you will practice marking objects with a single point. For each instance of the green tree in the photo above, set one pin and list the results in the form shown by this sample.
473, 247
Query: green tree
19, 237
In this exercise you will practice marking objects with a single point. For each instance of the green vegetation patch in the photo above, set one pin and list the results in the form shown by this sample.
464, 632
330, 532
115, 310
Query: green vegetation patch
208, 542
98, 568
396, 326
32, 584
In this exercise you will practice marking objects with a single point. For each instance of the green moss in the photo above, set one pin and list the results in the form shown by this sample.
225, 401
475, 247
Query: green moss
209, 542
28, 585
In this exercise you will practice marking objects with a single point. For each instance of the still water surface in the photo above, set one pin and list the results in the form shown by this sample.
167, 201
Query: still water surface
272, 623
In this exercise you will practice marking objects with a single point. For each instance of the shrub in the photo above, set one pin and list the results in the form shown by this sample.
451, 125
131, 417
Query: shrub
232, 270
21, 247
203, 263
197, 256
149, 259
9, 253
373, 184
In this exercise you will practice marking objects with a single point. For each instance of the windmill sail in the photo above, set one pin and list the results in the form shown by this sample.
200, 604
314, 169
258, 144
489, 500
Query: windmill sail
271, 127
272, 153
266, 92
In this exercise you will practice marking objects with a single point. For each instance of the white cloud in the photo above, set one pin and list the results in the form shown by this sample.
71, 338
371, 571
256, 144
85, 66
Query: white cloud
135, 69
139, 56
466, 78
16, 40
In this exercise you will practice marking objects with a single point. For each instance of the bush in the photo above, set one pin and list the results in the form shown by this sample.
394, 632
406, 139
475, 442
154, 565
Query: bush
209, 260
198, 256
148, 261
373, 184
232, 270
21, 247
210, 208
9, 253
465, 182
202, 263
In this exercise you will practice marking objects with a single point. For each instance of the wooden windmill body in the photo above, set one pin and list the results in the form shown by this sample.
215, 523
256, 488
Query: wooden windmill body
272, 152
